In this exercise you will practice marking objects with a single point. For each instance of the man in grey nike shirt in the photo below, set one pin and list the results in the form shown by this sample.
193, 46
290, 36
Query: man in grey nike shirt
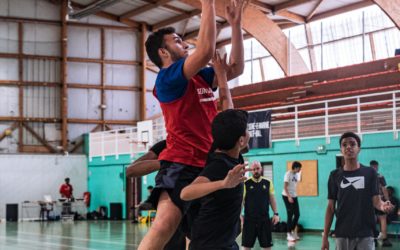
353, 191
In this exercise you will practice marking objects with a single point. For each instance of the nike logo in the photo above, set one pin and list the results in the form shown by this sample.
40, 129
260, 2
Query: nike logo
356, 182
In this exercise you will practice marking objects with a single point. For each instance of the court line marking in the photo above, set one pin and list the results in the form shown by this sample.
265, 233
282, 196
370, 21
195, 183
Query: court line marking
44, 243
81, 239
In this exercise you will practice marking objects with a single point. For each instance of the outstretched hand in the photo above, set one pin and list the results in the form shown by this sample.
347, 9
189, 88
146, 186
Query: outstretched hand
386, 206
234, 10
220, 64
235, 176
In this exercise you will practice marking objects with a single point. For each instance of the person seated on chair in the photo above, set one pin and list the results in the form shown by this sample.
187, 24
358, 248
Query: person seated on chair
46, 206
393, 215
142, 206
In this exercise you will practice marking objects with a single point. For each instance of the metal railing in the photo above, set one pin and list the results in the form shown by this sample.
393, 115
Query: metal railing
115, 143
364, 114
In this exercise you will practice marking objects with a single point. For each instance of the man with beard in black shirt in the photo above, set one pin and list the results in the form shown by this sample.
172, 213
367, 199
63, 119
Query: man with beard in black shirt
258, 197
220, 185
353, 192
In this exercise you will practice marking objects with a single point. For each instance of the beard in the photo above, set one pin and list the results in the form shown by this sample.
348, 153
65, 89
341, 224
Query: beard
256, 175
174, 55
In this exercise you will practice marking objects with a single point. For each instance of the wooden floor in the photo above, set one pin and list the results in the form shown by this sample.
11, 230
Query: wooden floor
110, 235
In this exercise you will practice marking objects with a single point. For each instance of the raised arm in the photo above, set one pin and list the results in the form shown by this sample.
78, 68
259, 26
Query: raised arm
233, 15
220, 67
206, 41
330, 210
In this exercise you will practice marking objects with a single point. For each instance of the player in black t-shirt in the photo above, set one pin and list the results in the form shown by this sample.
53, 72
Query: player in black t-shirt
148, 162
353, 191
220, 185
258, 196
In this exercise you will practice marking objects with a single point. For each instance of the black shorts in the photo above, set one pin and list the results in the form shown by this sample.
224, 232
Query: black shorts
173, 177
379, 212
261, 229
232, 247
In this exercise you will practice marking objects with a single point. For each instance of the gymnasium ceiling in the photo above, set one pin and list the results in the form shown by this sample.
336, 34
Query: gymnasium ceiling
262, 19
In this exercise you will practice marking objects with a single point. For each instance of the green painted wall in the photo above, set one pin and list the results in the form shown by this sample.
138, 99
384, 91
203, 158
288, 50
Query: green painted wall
107, 185
380, 147
106, 181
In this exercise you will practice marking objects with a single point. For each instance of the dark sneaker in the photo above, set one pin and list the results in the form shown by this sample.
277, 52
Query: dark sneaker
135, 221
386, 243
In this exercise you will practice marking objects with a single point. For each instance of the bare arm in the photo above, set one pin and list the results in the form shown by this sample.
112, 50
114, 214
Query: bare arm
234, 17
202, 186
273, 203
206, 41
150, 155
220, 67
330, 210
275, 218
143, 167
380, 205
285, 187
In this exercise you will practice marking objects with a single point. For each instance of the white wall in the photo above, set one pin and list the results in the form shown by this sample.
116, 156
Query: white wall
29, 177
83, 42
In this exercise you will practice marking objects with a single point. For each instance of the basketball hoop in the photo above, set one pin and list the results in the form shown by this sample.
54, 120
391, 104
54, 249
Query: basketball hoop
139, 142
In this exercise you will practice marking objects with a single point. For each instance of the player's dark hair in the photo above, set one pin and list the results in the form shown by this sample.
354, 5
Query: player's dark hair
348, 135
155, 42
227, 127
295, 165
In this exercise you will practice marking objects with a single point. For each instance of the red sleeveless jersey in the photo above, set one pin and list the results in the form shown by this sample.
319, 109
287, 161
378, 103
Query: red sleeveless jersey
188, 124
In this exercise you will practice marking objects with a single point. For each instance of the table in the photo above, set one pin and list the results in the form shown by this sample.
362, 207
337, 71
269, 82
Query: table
34, 210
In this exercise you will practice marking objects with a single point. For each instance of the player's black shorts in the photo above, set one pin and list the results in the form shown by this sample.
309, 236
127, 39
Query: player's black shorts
261, 229
379, 212
232, 247
173, 177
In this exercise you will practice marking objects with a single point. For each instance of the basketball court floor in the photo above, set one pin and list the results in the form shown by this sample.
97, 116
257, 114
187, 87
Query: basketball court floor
110, 235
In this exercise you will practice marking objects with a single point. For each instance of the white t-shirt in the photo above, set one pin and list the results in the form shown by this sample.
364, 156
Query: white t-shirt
291, 178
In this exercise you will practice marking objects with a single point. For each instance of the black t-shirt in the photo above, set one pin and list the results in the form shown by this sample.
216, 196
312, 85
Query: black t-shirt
218, 222
159, 147
256, 199
353, 192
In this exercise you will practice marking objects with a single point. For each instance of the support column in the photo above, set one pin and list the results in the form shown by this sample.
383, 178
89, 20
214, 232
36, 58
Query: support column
143, 73
20, 85
63, 77
102, 80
